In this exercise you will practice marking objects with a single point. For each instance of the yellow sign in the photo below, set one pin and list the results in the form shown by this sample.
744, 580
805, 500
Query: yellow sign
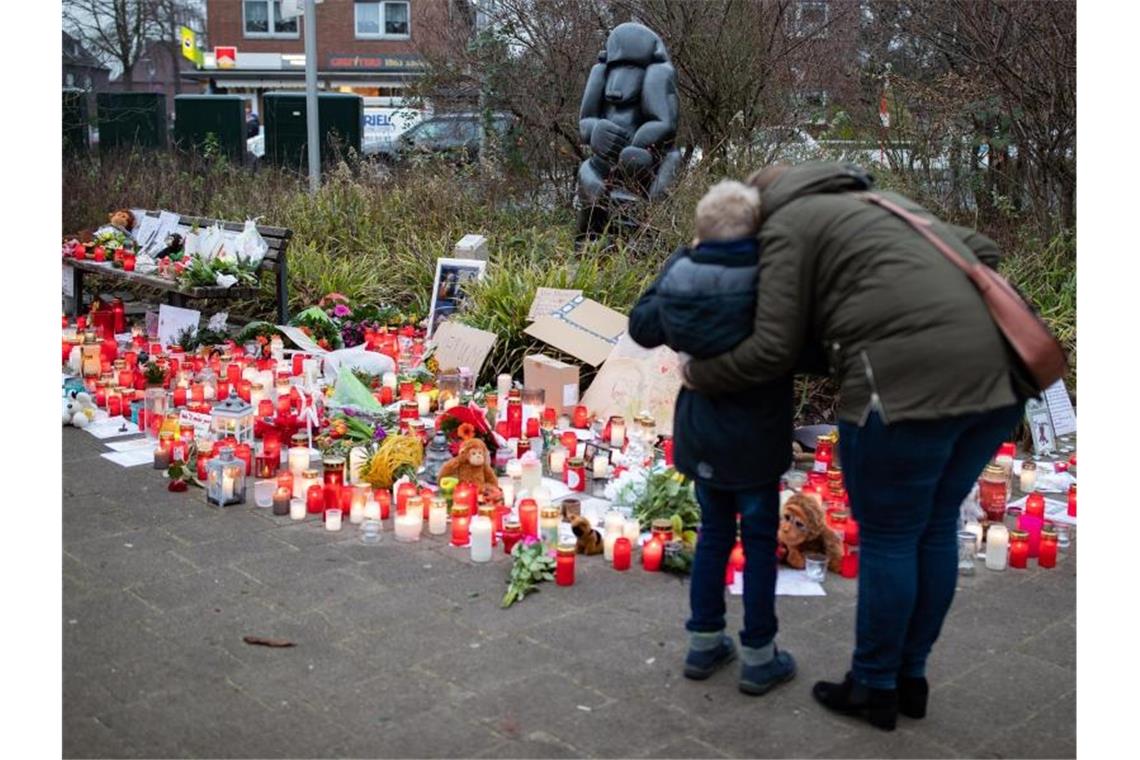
190, 46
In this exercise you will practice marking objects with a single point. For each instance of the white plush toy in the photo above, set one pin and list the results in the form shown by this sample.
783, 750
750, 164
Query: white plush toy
80, 410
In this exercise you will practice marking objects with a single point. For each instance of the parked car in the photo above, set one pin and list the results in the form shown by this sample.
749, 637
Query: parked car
455, 136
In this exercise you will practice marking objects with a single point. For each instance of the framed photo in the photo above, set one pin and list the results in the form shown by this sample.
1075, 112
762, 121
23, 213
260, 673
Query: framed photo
451, 275
589, 451
1040, 424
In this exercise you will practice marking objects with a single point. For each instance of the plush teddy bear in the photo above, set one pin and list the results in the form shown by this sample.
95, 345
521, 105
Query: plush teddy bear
80, 410
471, 465
803, 530
589, 540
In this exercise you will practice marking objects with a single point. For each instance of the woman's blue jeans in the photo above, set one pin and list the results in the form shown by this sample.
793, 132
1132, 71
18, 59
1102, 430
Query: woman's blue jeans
759, 520
907, 482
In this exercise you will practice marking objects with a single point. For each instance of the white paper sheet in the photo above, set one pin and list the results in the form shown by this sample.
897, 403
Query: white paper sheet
789, 582
132, 445
173, 321
112, 427
1061, 409
302, 341
132, 458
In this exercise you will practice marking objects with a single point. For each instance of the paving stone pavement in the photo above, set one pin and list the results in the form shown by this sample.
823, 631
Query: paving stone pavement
402, 650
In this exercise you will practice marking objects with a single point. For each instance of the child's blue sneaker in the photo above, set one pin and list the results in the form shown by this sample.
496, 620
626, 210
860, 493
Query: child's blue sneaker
760, 679
703, 662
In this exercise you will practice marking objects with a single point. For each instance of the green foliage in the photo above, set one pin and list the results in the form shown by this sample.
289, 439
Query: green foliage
532, 566
668, 495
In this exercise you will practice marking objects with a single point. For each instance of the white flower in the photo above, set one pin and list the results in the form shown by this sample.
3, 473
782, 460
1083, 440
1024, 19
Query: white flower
225, 280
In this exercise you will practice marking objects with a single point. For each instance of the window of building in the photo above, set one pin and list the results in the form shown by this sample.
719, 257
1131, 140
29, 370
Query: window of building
811, 18
390, 19
262, 18
69, 79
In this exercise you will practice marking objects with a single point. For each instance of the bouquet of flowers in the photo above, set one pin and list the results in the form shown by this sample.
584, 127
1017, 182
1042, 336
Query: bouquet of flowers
461, 423
319, 326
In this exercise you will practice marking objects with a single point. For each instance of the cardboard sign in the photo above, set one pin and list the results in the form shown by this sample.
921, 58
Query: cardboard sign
558, 379
1041, 426
583, 328
1061, 411
201, 423
634, 380
173, 321
549, 300
458, 345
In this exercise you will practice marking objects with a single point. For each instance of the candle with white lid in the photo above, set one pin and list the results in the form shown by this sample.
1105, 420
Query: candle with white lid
297, 509
1028, 476
332, 519
388, 380
601, 466
997, 546
617, 431
504, 387
481, 539
437, 517
423, 399
558, 456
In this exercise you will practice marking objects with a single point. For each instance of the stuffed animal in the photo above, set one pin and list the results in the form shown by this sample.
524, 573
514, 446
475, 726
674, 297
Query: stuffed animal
79, 410
589, 540
123, 219
471, 465
803, 530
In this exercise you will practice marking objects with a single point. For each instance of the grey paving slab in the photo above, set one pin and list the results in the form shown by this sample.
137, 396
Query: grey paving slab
402, 649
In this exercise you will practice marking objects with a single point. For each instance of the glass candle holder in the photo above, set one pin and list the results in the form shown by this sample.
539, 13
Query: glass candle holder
282, 498
815, 567
564, 564
528, 517
332, 519
992, 492
370, 532
409, 525
1018, 549
315, 499
1035, 505
557, 459
549, 520
967, 552
614, 524
622, 553
651, 555
1028, 476
437, 516
997, 546
263, 491
512, 533
1047, 549
460, 526
482, 536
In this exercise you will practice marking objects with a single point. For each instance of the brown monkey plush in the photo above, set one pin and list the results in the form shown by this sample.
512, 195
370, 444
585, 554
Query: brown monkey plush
471, 465
122, 218
589, 540
803, 530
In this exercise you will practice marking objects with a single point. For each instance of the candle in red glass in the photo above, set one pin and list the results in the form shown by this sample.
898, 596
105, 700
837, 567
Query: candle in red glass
465, 495
564, 565
285, 480
128, 263
298, 364
265, 408
569, 439
131, 358
849, 565
581, 418
623, 553
233, 372
811, 490
407, 391
243, 452
197, 393
244, 387
514, 418
549, 416
503, 429
384, 499
315, 499
651, 555
271, 445
203, 459
1032, 525
851, 532
1018, 548
1047, 551
222, 391
265, 467
1035, 505
101, 396
1073, 500
667, 447
403, 493
528, 517
114, 404
386, 396
460, 527
512, 534
180, 395
283, 404
100, 255
532, 427
346, 494
126, 378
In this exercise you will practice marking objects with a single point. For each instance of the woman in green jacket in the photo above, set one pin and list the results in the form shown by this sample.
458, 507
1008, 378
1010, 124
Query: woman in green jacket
928, 391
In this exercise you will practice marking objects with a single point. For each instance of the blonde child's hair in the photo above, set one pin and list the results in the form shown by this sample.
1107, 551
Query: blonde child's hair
729, 210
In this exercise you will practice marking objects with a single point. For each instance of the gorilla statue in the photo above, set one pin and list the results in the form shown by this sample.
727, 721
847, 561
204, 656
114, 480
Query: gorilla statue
629, 120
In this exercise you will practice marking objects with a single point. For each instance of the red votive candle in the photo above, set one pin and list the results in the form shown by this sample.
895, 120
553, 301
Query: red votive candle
384, 499
849, 565
114, 404
569, 439
265, 408
549, 416
460, 527
528, 517
652, 554
514, 418
285, 480
222, 392
298, 364
465, 496
179, 395
408, 393
265, 467
1035, 505
512, 534
386, 396
1018, 548
233, 372
403, 493
1073, 500
667, 447
532, 427
623, 553
1047, 552
243, 388
581, 417
564, 565
283, 404
315, 499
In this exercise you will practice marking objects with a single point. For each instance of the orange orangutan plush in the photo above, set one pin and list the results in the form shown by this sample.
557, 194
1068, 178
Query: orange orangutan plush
803, 530
471, 465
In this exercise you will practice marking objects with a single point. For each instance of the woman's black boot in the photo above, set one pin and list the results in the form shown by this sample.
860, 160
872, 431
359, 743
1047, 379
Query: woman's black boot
880, 707
913, 693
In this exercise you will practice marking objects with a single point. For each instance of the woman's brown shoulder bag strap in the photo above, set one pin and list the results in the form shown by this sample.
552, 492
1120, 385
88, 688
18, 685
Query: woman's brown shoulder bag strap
1032, 341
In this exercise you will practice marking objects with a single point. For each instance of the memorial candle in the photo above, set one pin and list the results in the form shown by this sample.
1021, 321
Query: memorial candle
437, 516
1031, 525
997, 546
384, 500
617, 431
424, 401
557, 460
410, 523
332, 519
282, 498
1028, 476
481, 538
581, 418
1035, 505
614, 523
1018, 549
549, 520
564, 565
297, 510
512, 533
601, 466
528, 517
465, 496
651, 555
1073, 500
622, 553
569, 439
1047, 551
315, 499
460, 526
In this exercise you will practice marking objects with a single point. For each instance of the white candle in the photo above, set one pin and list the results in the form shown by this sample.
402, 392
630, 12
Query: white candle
976, 529
75, 360
617, 434
1028, 477
297, 509
298, 460
997, 546
277, 348
409, 525
389, 380
357, 456
557, 460
269, 383
481, 539
332, 519
504, 388
372, 510
450, 403
514, 469
359, 499
437, 517
251, 374
424, 400
256, 395
311, 368
508, 488
601, 466
227, 486
631, 529
614, 524
209, 391
531, 472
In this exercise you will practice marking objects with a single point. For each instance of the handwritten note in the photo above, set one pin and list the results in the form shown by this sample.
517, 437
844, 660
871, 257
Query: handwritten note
458, 345
549, 300
1061, 409
132, 457
173, 321
201, 423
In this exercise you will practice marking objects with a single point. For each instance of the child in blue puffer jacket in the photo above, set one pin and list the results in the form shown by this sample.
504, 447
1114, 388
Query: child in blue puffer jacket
734, 446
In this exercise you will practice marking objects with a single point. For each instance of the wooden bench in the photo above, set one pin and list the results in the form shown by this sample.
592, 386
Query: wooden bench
176, 295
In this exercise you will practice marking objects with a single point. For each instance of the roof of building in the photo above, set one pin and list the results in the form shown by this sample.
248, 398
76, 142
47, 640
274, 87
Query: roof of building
74, 54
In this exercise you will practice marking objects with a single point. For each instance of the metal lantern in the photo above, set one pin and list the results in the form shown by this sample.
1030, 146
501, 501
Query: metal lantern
233, 418
437, 455
225, 479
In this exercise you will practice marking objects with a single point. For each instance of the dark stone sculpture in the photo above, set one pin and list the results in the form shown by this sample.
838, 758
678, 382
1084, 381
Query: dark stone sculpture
629, 119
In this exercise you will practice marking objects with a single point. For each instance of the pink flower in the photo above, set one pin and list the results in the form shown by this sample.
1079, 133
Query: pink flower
341, 310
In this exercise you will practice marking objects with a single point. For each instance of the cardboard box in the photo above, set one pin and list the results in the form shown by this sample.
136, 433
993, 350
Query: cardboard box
583, 328
558, 379
471, 247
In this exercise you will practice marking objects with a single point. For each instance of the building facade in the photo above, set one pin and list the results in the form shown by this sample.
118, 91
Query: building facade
83, 71
366, 47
